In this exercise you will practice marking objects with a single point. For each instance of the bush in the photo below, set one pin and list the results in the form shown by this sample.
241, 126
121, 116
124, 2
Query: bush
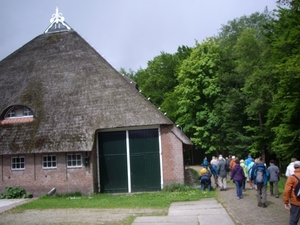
17, 192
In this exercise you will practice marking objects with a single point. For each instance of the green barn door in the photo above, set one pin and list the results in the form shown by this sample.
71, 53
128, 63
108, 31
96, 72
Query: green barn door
113, 161
144, 160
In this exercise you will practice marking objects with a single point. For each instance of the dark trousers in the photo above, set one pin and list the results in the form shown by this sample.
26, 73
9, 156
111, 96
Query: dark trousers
294, 214
274, 188
261, 193
244, 184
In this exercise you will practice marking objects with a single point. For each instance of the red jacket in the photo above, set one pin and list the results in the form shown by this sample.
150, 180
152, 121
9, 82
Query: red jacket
288, 194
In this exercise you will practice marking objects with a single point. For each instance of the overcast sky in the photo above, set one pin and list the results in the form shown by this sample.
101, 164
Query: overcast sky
127, 33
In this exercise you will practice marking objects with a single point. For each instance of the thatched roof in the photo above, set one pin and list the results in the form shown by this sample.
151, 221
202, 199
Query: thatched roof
72, 90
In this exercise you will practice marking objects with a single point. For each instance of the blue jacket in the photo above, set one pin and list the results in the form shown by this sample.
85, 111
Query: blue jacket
266, 175
248, 161
250, 169
213, 169
205, 176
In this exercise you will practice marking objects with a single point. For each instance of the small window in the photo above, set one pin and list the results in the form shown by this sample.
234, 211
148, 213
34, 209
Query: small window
26, 112
11, 113
18, 163
18, 112
49, 161
74, 160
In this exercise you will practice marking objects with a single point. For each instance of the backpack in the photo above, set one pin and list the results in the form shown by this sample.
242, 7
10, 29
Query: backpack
297, 187
260, 174
226, 166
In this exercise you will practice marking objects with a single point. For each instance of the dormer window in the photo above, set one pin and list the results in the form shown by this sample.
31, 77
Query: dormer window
17, 114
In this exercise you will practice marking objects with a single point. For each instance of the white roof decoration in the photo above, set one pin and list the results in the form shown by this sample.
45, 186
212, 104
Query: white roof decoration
57, 23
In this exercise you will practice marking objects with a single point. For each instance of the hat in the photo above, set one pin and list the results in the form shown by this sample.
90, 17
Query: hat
297, 164
242, 161
233, 157
220, 157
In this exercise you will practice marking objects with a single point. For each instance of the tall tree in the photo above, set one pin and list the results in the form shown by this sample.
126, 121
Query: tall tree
159, 79
237, 57
196, 93
284, 115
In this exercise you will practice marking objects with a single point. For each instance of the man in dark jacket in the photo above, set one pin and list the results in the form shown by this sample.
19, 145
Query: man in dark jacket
222, 173
274, 178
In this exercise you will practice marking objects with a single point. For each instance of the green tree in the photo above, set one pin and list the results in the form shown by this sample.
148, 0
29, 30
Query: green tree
241, 49
284, 116
196, 92
159, 79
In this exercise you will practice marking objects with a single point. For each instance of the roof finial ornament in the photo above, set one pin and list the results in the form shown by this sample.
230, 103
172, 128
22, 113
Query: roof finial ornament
57, 17
57, 23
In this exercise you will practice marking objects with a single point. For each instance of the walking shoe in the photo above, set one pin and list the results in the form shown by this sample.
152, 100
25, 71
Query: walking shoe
238, 198
259, 204
276, 196
264, 205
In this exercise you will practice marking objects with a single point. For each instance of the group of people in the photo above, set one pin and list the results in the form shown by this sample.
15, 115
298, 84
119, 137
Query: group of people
258, 175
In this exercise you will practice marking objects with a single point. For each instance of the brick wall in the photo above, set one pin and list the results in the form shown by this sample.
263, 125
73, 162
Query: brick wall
39, 181
172, 157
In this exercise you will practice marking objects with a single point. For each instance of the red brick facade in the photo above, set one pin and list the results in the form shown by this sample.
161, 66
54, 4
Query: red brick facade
39, 181
172, 157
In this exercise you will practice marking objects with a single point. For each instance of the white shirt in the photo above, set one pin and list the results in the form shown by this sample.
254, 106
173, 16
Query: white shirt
214, 161
290, 169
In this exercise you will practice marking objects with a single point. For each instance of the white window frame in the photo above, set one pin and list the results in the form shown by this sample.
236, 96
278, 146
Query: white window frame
74, 160
18, 163
11, 114
50, 161
27, 112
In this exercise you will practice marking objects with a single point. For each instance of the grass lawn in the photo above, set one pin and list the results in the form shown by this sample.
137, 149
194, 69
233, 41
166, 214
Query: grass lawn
161, 199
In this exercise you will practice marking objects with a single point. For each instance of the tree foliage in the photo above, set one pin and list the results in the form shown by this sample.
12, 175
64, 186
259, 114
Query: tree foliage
238, 92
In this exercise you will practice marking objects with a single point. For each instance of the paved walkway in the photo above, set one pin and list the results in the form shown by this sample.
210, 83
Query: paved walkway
190, 213
246, 212
7, 204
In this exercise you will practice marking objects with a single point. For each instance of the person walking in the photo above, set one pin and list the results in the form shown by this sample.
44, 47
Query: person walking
213, 169
274, 178
261, 177
290, 168
248, 160
222, 173
245, 169
238, 177
291, 202
249, 167
205, 162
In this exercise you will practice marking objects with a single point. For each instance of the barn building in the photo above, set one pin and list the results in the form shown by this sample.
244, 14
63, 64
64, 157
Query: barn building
70, 121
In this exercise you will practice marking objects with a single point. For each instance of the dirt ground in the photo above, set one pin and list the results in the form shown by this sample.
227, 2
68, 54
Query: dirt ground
76, 216
81, 216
